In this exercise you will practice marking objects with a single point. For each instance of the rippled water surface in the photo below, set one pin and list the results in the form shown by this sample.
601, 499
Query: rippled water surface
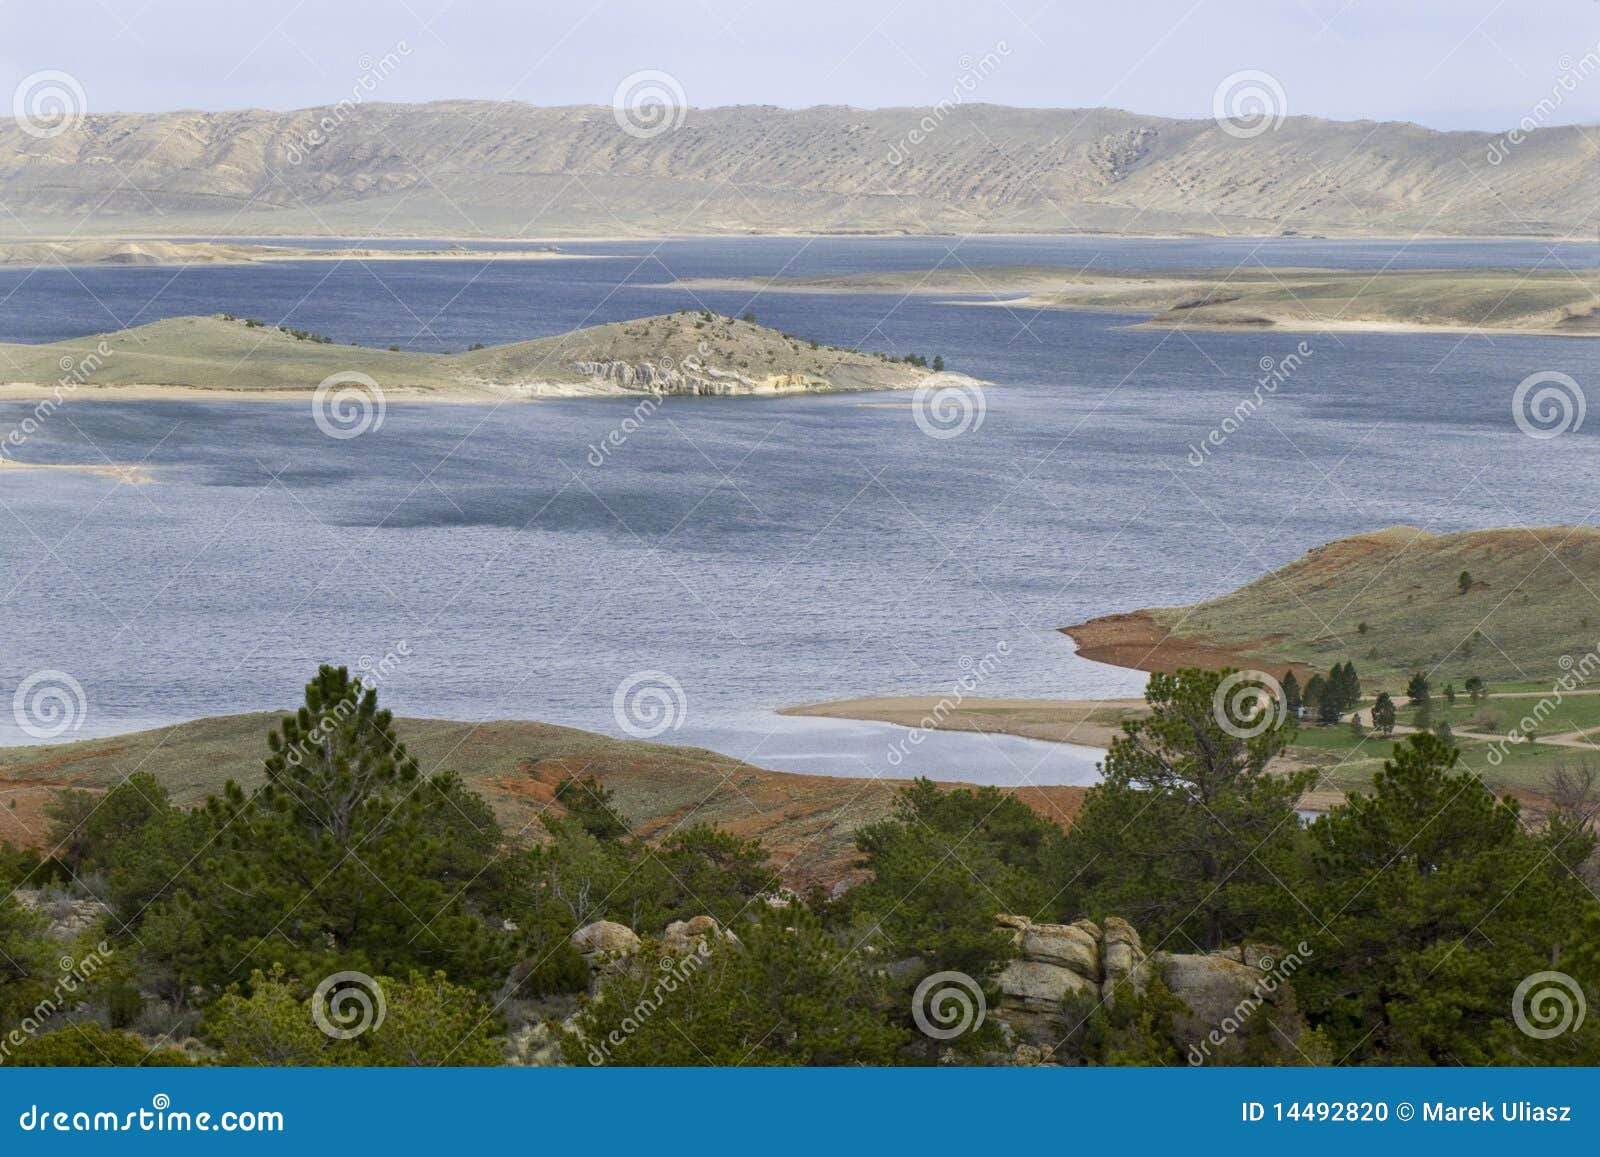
760, 552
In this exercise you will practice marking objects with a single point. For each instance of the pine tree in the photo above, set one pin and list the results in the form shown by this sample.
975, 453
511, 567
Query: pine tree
347, 857
1383, 713
1189, 834
1291, 694
1352, 686
1316, 688
1330, 702
1417, 689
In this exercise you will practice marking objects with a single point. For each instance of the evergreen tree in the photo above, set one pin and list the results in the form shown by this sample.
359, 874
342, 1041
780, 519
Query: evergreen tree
347, 857
785, 993
1189, 834
1417, 689
1331, 702
1316, 688
1432, 899
592, 807
1291, 694
1383, 713
1351, 695
944, 865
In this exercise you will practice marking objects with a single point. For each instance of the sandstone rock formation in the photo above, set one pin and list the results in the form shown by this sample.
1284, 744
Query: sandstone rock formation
1062, 970
605, 941
68, 918
695, 936
1060, 965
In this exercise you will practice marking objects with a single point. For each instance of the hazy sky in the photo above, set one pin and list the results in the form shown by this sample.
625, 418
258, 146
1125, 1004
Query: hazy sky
1446, 63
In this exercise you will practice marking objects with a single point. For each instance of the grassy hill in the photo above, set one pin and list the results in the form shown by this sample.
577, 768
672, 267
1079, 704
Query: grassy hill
1391, 602
679, 353
808, 822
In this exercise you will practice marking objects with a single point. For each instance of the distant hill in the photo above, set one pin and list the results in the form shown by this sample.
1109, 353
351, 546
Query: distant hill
1391, 602
468, 168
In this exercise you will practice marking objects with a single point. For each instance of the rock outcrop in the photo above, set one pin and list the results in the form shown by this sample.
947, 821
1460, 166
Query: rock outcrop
666, 379
605, 941
695, 936
1062, 966
1062, 970
68, 918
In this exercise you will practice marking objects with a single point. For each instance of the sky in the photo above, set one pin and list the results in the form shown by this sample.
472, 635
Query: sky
1483, 64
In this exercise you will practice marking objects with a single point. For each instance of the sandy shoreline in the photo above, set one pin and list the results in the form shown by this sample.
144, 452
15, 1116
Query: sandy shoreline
1089, 723
1280, 324
1289, 300
132, 475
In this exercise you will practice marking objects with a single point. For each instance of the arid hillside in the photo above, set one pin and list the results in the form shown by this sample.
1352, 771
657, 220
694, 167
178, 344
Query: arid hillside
808, 822
474, 168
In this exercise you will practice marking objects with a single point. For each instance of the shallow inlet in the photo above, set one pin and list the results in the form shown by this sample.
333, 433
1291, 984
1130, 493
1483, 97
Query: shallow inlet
857, 749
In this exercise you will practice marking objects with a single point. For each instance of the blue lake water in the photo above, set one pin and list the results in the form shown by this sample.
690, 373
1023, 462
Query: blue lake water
756, 552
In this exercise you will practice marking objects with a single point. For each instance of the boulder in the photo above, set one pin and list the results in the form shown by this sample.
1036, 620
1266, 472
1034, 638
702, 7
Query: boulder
1122, 959
1222, 994
605, 940
1054, 963
1068, 945
691, 937
1061, 969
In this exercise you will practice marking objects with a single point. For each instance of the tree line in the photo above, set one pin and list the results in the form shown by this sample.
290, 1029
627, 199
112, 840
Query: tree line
1426, 900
